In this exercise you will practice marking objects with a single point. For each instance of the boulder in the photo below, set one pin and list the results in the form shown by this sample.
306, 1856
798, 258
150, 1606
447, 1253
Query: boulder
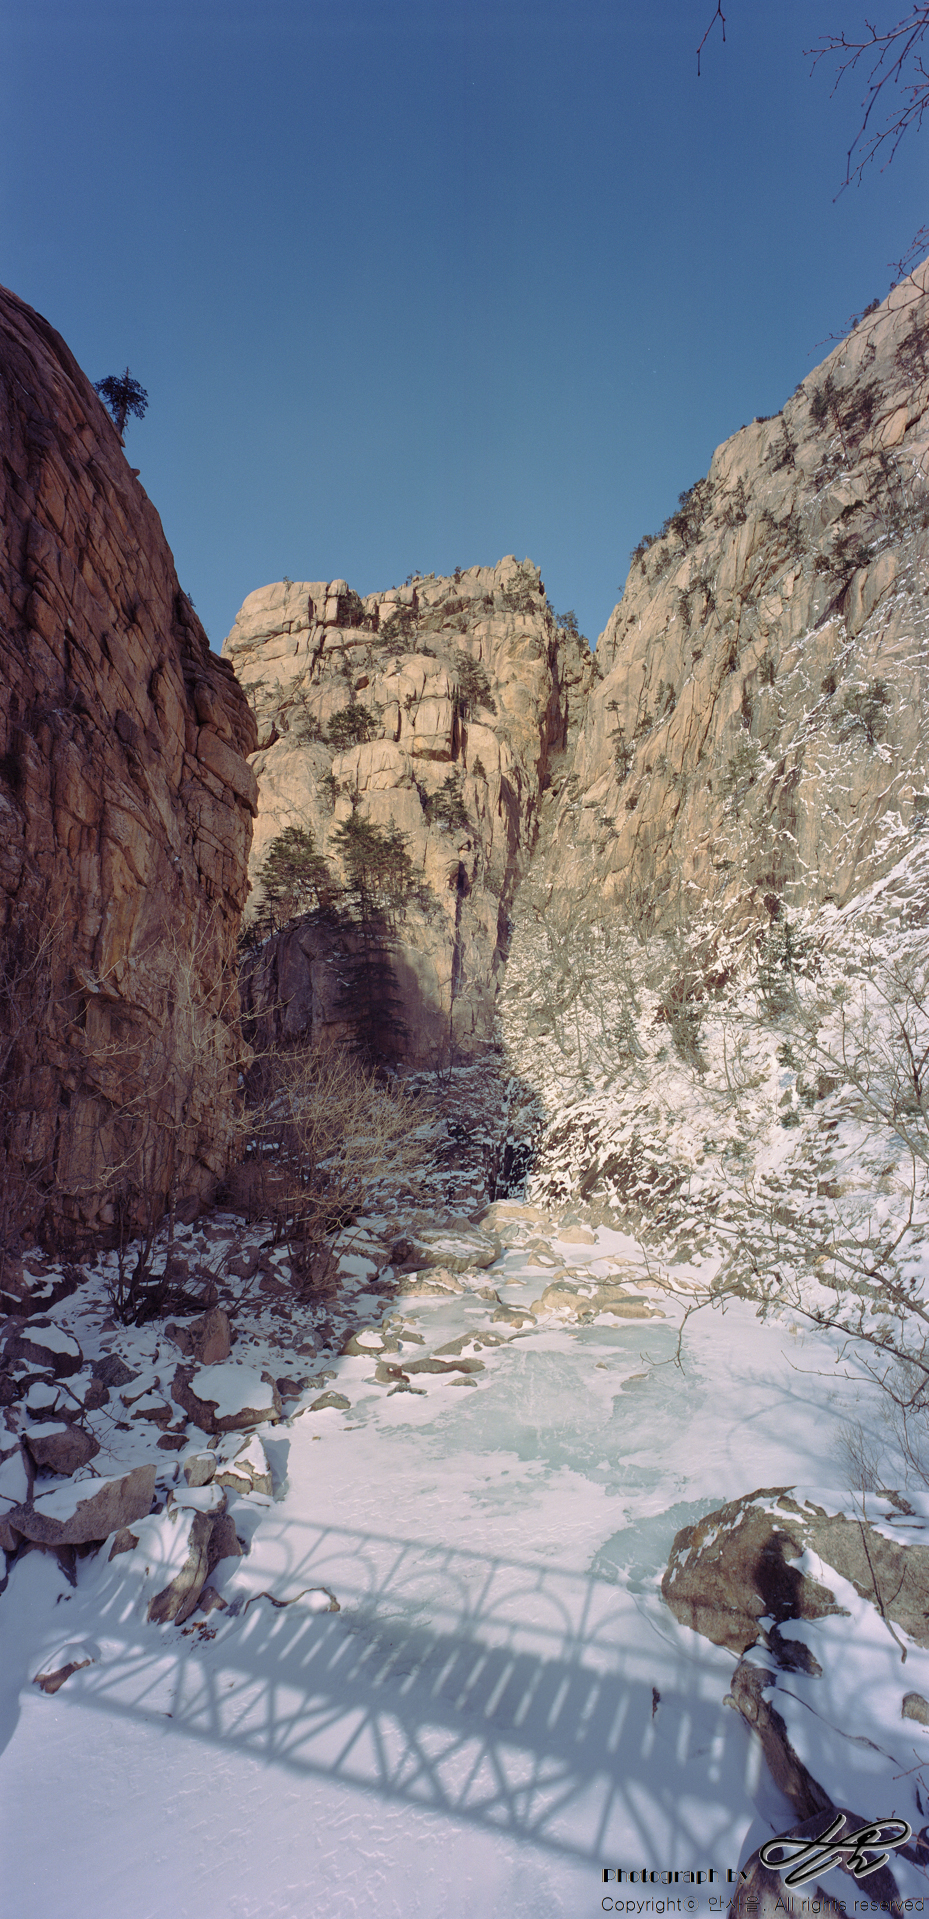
43, 1344
211, 1536
90, 1511
62, 1664
199, 1468
456, 1246
112, 1371
436, 1283
443, 1366
228, 1398
178, 1599
58, 1448
247, 1471
915, 1707
208, 1340
738, 1566
808, 1798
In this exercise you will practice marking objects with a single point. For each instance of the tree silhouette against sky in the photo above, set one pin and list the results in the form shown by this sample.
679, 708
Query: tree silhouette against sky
122, 395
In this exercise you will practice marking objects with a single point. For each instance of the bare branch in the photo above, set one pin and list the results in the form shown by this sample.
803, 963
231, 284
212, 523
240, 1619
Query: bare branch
718, 15
897, 81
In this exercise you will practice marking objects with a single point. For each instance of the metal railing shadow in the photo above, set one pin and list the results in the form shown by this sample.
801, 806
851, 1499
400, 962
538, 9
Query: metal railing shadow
520, 1697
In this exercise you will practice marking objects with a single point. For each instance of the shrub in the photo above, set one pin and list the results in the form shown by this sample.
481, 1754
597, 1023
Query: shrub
864, 710
446, 807
472, 684
380, 884
399, 625
521, 597
325, 1137
735, 510
352, 726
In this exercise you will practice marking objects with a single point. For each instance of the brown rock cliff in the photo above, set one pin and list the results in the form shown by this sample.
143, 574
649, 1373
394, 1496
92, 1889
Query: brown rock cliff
125, 822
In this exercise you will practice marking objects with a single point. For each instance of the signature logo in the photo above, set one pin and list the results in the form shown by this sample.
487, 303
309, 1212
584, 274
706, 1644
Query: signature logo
861, 1852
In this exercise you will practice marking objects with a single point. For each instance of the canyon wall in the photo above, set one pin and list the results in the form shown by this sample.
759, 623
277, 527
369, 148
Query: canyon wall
757, 737
126, 806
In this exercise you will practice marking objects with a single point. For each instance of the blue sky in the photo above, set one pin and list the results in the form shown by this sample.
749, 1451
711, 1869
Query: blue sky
413, 285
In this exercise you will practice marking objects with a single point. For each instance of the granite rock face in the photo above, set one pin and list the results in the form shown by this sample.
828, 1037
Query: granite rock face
758, 735
126, 806
470, 694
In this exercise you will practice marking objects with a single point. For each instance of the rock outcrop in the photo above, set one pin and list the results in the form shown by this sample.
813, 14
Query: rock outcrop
735, 1577
125, 821
462, 694
758, 736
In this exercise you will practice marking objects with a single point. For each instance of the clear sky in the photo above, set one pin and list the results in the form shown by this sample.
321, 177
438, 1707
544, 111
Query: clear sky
413, 285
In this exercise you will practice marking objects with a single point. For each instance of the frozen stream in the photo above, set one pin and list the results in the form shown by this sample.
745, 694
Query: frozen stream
501, 1707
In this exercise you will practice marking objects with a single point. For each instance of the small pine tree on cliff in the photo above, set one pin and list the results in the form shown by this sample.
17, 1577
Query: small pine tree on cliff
122, 395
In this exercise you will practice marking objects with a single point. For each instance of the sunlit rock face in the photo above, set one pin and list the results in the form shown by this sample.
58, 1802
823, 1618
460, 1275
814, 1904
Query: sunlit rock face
125, 821
749, 738
757, 739
470, 695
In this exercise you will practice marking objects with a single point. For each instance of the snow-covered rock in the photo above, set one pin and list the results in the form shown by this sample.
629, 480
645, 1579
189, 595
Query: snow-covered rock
58, 1447
227, 1398
89, 1510
210, 1537
45, 1345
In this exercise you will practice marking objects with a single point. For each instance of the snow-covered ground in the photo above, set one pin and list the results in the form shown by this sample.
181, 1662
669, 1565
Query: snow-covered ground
442, 1679
502, 1706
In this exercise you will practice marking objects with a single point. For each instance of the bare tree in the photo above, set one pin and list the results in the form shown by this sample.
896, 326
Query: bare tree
34, 948
892, 61
325, 1138
157, 1079
896, 83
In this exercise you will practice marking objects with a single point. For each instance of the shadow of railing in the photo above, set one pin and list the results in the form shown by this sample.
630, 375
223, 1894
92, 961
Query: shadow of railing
521, 1698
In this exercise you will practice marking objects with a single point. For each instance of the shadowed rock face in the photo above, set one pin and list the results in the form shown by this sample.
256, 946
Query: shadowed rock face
465, 678
125, 822
758, 737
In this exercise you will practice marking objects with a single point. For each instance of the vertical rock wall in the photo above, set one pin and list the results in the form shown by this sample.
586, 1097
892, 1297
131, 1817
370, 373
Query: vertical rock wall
757, 740
465, 679
125, 821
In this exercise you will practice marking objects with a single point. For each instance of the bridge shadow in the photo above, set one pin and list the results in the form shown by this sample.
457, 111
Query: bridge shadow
517, 1697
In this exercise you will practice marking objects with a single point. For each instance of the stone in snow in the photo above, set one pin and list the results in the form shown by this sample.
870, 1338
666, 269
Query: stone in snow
60, 1448
211, 1537
46, 1346
227, 1398
76, 1515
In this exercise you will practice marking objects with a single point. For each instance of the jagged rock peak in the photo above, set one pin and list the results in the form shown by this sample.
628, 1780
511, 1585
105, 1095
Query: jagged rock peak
125, 821
757, 739
439, 709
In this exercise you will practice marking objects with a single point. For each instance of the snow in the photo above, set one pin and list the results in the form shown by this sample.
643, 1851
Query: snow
502, 1705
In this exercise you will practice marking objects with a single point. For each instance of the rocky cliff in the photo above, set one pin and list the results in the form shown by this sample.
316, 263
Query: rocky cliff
757, 738
125, 820
439, 709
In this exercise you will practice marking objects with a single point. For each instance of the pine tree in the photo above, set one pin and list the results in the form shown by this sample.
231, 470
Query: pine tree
121, 395
379, 885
